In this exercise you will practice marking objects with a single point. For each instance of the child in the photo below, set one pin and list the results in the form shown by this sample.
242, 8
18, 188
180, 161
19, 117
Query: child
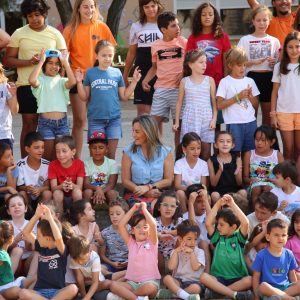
103, 87
87, 267
259, 163
52, 258
8, 172
167, 61
262, 51
209, 36
225, 169
143, 34
52, 96
142, 272
257, 241
20, 252
199, 95
9, 287
286, 190
293, 242
66, 173
274, 267
167, 213
33, 182
189, 169
187, 263
8, 106
114, 252
237, 97
83, 214
227, 229
265, 209
101, 172
285, 96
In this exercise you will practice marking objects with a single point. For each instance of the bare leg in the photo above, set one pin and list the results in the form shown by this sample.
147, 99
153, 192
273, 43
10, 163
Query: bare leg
182, 200
67, 293
268, 290
143, 109
205, 247
79, 120
288, 144
111, 195
15, 255
215, 196
297, 152
88, 194
255, 192
159, 121
147, 289
29, 124
112, 148
205, 151
265, 111
122, 289
49, 153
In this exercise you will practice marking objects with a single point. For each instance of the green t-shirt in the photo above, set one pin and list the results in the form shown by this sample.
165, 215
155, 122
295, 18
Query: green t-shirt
228, 260
6, 274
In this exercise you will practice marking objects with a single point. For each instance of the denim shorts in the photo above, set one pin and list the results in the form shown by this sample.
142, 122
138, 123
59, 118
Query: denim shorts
48, 293
111, 127
243, 135
51, 129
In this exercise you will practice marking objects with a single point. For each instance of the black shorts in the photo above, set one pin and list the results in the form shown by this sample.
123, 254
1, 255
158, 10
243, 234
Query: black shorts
142, 97
74, 90
27, 102
264, 84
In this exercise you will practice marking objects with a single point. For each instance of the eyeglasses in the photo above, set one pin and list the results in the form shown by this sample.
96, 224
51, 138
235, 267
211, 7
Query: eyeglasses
166, 205
144, 227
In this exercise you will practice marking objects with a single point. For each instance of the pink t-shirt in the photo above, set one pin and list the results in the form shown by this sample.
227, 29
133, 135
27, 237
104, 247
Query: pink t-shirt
142, 261
294, 245
169, 57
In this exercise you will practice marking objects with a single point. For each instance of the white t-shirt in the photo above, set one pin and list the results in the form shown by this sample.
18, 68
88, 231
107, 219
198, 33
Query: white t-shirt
5, 114
190, 175
184, 269
260, 47
254, 222
242, 112
201, 223
293, 199
144, 35
288, 99
28, 176
93, 265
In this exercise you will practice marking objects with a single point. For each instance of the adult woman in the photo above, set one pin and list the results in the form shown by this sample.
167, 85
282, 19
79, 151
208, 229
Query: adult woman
23, 53
147, 165
82, 34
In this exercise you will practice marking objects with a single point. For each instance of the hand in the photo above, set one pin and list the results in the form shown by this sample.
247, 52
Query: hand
136, 75
264, 225
274, 122
35, 191
271, 61
154, 193
212, 124
143, 206
39, 57
228, 200
221, 165
246, 93
79, 75
12, 88
203, 193
99, 196
166, 236
238, 166
12, 167
11, 190
137, 206
284, 204
141, 190
64, 58
175, 126
19, 237
146, 86
192, 198
46, 212
39, 212
119, 265
254, 180
259, 61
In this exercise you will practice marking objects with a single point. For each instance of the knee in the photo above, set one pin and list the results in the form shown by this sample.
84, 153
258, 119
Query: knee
58, 196
17, 252
46, 195
77, 194
87, 194
243, 193
180, 194
167, 279
111, 195
215, 196
24, 294
72, 290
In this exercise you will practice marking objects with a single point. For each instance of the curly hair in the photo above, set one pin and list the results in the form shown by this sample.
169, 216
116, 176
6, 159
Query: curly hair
30, 6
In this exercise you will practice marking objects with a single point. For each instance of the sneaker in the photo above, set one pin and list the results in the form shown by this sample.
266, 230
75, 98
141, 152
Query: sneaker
142, 298
194, 297
111, 296
245, 295
273, 297
210, 294
164, 294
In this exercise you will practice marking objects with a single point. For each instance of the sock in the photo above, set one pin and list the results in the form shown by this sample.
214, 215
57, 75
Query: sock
182, 294
234, 295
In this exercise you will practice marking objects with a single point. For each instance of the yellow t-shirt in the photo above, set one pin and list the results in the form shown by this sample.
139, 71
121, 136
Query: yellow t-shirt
30, 42
82, 44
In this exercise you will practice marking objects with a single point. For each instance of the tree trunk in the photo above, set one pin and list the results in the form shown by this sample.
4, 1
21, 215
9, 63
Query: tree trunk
64, 8
114, 15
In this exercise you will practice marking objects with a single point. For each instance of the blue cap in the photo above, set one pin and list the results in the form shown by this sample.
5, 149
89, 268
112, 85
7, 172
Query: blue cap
52, 53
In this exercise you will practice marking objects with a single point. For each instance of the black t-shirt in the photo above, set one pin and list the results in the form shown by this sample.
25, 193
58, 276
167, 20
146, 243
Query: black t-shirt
51, 268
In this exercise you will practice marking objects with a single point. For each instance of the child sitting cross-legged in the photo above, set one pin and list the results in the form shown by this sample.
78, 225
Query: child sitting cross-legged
227, 229
87, 267
274, 268
187, 262
52, 259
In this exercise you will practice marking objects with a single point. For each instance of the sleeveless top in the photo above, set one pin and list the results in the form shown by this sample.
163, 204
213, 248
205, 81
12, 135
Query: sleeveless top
90, 235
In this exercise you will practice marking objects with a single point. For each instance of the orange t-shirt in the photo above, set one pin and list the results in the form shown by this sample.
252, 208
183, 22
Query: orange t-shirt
82, 44
280, 27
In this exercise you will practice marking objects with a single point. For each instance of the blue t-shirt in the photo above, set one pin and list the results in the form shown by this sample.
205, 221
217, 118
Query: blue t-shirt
274, 269
104, 102
3, 177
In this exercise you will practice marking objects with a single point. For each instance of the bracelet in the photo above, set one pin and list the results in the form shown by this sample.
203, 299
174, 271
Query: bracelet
237, 98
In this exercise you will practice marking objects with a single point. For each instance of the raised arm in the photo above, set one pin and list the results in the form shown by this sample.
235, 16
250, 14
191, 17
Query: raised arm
211, 217
152, 223
71, 78
125, 93
33, 77
253, 3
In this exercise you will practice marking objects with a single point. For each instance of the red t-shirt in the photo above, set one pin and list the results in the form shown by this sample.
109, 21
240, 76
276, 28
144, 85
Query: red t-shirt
57, 171
214, 49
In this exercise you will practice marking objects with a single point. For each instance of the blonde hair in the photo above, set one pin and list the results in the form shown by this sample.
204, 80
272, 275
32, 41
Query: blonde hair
3, 78
75, 17
235, 56
259, 9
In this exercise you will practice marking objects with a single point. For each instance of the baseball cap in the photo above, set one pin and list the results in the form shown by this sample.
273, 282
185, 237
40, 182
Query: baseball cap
97, 136
52, 53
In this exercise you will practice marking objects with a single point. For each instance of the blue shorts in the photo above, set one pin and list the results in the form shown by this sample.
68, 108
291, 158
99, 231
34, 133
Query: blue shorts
48, 293
185, 284
111, 127
243, 136
51, 129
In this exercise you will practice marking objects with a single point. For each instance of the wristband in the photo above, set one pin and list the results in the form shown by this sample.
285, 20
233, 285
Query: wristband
237, 98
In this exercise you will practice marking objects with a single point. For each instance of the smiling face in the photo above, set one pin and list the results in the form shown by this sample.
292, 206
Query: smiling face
138, 134
189, 240
192, 150
105, 56
141, 231
86, 10
293, 50
64, 154
224, 143
36, 149
52, 66
282, 7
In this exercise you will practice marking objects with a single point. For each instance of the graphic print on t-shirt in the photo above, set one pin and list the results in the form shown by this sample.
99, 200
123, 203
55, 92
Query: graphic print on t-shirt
147, 37
98, 179
210, 49
169, 53
259, 49
51, 260
104, 84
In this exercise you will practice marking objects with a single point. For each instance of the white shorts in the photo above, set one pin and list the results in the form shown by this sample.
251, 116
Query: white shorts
16, 283
164, 102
